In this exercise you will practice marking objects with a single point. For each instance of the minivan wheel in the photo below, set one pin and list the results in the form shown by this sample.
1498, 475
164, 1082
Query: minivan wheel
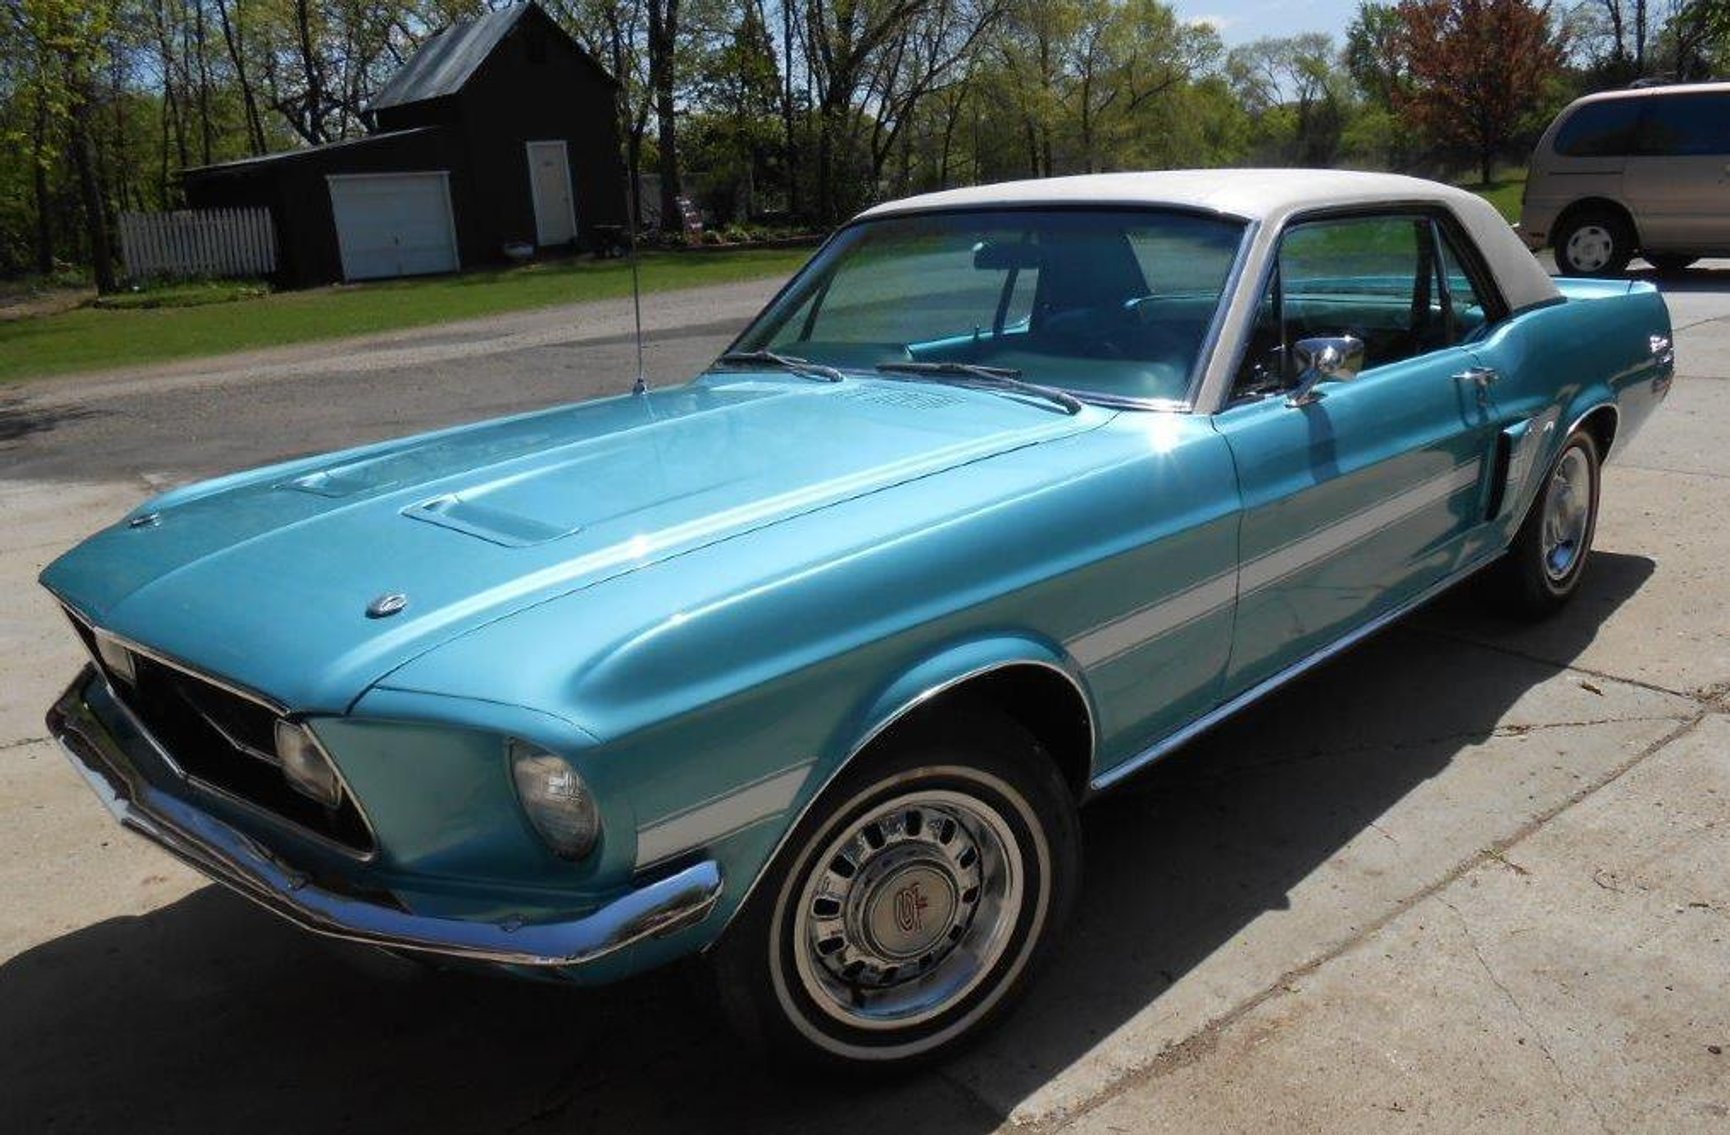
1669, 263
1594, 242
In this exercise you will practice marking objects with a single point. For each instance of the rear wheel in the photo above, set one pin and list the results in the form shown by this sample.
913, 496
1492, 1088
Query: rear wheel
1594, 242
911, 904
1547, 558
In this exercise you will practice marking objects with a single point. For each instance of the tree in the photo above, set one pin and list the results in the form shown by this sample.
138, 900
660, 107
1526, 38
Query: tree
1477, 68
1294, 88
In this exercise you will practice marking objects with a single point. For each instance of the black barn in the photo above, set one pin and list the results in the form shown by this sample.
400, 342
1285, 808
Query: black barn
500, 130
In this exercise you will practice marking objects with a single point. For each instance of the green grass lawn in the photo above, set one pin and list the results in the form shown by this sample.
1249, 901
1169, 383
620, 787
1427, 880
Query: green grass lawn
1503, 193
93, 338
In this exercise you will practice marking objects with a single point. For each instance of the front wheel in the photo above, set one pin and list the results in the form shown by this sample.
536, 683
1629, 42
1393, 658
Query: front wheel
1547, 558
910, 905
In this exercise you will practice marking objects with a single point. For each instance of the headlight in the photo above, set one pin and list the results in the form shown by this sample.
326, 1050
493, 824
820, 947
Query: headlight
557, 801
305, 766
117, 658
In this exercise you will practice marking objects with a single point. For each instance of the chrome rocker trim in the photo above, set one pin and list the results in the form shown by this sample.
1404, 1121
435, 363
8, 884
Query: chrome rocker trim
229, 857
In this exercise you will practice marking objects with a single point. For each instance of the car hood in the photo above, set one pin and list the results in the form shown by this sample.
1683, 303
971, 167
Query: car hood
265, 578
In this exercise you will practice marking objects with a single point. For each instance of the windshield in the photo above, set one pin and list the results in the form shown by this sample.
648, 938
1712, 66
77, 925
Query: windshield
1111, 303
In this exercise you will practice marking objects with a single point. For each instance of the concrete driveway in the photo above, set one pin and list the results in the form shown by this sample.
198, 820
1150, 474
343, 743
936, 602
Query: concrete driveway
1470, 876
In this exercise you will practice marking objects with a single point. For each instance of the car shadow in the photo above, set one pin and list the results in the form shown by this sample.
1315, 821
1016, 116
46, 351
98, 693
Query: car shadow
210, 1014
1714, 276
19, 419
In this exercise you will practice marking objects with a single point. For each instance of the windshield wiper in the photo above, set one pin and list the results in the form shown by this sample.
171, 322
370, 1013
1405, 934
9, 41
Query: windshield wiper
803, 367
1003, 378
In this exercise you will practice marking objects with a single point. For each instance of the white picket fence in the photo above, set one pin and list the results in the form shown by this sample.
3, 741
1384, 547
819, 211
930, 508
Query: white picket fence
198, 242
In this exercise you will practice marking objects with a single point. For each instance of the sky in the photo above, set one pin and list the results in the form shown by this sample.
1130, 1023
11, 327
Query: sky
1240, 21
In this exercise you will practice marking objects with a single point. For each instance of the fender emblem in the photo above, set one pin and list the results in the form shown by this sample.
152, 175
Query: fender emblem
386, 605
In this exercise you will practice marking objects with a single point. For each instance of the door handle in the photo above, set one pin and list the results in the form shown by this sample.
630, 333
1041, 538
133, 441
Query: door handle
1482, 378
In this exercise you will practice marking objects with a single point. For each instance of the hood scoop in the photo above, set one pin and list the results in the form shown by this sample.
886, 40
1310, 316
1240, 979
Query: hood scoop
494, 525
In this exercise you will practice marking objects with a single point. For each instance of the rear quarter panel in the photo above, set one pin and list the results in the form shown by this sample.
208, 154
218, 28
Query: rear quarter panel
1559, 362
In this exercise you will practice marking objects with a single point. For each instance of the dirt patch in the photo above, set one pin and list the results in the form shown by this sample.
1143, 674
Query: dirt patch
28, 305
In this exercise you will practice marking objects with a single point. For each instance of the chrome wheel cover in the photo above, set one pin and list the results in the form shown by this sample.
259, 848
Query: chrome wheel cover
1567, 515
907, 909
1590, 247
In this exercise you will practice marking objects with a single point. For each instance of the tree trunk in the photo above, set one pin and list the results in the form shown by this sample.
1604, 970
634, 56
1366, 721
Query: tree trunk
39, 172
790, 163
663, 40
90, 196
231, 37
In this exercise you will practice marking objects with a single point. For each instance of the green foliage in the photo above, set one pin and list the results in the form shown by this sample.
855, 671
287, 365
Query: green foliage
182, 293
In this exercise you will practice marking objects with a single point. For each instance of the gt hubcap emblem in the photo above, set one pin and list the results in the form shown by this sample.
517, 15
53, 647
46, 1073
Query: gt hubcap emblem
910, 909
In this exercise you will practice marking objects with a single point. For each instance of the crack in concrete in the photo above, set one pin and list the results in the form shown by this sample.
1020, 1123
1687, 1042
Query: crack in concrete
1560, 667
1520, 1012
1206, 1038
1680, 472
6, 746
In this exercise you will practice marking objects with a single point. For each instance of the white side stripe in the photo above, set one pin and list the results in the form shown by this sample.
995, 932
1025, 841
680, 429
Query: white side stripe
1120, 636
1113, 639
720, 816
1308, 550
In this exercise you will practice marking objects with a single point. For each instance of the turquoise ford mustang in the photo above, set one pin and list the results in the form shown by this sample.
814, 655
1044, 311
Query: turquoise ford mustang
805, 666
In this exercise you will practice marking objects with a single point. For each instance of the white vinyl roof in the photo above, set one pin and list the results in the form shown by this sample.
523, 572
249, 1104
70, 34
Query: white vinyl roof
1270, 196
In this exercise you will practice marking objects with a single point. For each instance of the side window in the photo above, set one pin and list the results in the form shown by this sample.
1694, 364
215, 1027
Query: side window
1685, 126
1467, 313
1397, 283
1599, 129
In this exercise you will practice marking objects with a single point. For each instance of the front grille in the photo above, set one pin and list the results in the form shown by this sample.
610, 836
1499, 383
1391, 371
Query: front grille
226, 742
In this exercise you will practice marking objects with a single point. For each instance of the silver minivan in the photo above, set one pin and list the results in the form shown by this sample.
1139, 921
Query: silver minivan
1638, 172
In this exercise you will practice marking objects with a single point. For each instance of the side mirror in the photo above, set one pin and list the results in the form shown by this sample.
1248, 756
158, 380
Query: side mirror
1329, 358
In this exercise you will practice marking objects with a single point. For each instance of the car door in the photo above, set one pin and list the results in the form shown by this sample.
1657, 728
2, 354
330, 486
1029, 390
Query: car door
1677, 181
1358, 500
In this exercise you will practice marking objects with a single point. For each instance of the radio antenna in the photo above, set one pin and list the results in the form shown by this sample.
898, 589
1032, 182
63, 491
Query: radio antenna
633, 219
641, 386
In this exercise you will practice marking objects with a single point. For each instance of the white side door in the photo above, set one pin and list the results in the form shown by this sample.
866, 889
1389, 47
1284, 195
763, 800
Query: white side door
393, 224
550, 183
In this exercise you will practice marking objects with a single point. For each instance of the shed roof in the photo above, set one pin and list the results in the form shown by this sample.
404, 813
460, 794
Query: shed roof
446, 61
242, 165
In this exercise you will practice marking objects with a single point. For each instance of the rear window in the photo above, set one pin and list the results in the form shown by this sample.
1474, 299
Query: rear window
1599, 129
1685, 124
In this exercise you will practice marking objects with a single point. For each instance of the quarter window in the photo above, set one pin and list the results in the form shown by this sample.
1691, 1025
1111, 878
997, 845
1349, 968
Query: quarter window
1599, 129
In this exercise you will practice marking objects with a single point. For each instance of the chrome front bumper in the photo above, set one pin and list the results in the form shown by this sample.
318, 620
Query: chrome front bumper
235, 860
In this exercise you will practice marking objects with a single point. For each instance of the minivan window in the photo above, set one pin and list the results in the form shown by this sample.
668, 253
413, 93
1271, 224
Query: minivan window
1599, 129
1685, 124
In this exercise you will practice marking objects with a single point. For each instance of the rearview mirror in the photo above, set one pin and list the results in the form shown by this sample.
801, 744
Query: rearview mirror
1002, 256
1327, 358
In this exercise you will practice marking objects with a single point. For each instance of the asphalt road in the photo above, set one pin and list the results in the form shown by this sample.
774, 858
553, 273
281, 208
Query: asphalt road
1470, 876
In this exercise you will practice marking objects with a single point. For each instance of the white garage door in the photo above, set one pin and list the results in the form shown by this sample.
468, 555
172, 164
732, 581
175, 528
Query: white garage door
393, 224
